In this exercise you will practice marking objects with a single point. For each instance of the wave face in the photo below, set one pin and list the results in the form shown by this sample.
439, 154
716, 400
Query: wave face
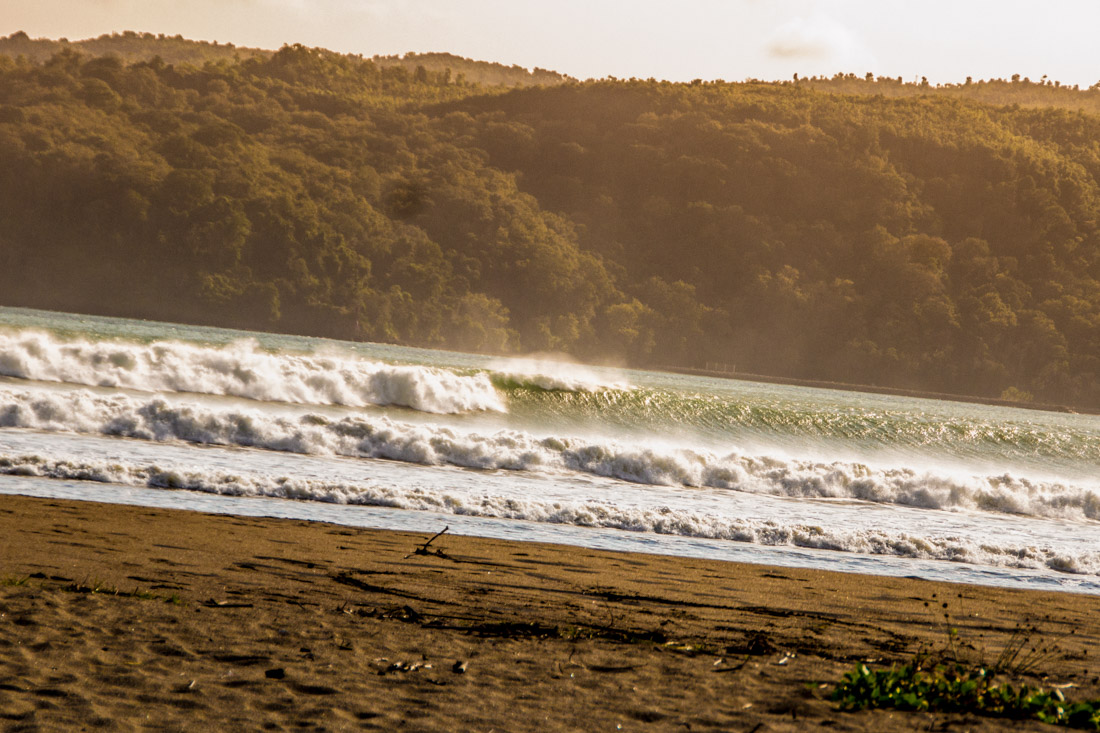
541, 392
799, 425
382, 437
243, 369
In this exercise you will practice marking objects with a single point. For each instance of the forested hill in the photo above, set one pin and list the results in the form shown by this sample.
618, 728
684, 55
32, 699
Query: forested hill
918, 240
128, 47
131, 47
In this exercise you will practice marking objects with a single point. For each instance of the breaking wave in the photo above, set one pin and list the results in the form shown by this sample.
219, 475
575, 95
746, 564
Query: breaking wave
159, 419
243, 369
580, 513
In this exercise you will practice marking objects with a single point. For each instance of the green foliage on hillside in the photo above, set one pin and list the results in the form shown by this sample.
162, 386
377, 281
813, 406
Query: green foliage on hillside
474, 72
132, 47
914, 240
1024, 92
922, 242
128, 46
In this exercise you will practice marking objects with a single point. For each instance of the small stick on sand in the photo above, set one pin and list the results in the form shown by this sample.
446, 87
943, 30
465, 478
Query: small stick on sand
423, 549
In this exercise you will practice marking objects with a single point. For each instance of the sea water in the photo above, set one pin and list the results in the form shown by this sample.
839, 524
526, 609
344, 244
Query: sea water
541, 449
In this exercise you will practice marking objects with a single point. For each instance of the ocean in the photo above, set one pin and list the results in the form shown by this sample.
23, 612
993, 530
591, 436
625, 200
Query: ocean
542, 449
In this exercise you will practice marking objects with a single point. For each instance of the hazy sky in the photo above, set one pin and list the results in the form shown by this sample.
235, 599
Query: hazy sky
945, 40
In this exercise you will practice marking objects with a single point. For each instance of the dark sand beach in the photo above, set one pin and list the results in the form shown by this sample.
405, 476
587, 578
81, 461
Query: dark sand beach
226, 623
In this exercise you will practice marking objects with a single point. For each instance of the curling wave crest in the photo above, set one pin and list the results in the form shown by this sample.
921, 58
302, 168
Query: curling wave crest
242, 369
159, 419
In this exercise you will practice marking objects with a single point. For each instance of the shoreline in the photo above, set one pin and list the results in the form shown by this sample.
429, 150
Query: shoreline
177, 619
686, 547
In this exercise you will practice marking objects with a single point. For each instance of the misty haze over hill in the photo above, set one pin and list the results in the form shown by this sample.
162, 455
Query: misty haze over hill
851, 229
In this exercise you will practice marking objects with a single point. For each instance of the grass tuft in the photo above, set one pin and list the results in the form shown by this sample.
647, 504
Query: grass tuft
948, 680
95, 586
958, 688
99, 587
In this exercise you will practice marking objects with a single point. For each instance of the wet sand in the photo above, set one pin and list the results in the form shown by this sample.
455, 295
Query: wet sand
127, 618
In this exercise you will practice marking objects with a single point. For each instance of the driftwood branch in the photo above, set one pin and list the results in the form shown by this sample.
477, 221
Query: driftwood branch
424, 550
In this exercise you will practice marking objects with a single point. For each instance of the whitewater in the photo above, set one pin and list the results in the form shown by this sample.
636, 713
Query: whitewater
543, 449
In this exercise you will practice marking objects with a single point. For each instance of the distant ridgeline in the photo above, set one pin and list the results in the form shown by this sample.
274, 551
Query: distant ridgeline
131, 47
849, 229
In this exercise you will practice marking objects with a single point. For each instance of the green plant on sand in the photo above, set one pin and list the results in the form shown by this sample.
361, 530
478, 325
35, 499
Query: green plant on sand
958, 688
101, 588
946, 682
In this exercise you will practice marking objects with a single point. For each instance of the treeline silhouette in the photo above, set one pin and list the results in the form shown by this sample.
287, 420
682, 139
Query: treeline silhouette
926, 239
128, 46
131, 47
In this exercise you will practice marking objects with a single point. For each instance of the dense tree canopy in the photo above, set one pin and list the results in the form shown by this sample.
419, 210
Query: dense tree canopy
855, 230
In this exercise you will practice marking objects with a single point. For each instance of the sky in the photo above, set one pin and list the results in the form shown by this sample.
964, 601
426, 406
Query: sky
680, 40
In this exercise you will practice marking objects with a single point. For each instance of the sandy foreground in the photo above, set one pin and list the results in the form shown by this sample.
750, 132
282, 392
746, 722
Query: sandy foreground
206, 622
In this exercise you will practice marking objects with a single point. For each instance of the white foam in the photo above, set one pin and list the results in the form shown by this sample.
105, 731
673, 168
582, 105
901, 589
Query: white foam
768, 532
161, 419
242, 369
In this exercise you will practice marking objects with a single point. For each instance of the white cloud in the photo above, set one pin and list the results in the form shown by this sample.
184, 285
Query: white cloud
820, 42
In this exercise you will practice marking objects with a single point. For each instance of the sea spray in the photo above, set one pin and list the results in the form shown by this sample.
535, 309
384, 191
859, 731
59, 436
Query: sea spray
554, 373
